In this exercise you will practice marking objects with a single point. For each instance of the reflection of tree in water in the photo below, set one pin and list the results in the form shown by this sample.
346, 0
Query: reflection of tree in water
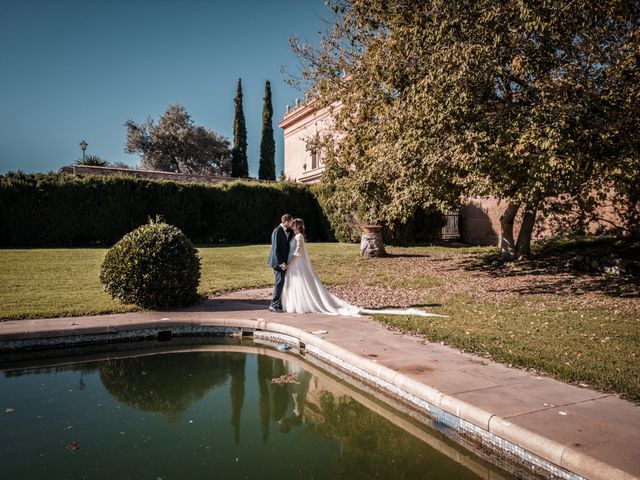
166, 383
373, 447
282, 403
237, 363
265, 374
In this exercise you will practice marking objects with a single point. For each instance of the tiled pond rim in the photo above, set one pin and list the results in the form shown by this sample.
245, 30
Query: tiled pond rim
515, 449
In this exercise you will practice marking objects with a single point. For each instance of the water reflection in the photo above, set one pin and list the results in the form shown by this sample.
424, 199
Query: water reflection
170, 383
316, 427
284, 403
167, 383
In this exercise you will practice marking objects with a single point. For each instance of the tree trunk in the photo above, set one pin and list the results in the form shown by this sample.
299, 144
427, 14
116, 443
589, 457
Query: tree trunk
523, 245
507, 244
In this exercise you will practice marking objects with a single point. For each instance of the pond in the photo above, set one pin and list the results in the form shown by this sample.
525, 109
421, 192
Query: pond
208, 411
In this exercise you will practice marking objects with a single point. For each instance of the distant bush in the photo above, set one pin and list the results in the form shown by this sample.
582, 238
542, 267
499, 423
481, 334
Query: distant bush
422, 226
92, 160
62, 209
343, 225
154, 266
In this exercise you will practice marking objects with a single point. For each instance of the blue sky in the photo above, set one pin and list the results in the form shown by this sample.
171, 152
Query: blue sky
74, 70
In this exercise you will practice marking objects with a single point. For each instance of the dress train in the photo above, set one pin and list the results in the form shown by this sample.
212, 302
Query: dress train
303, 291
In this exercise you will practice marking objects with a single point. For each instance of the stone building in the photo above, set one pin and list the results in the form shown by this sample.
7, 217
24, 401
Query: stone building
302, 124
478, 219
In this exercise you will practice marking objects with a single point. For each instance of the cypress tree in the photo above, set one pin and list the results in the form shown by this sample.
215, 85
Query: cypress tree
239, 162
267, 143
237, 393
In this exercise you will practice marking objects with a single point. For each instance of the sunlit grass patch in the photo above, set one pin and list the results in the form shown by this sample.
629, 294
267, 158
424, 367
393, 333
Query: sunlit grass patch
593, 346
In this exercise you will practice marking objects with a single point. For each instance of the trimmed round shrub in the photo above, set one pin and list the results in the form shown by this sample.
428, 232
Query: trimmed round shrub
154, 266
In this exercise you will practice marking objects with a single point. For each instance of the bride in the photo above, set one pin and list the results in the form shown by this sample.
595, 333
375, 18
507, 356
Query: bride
303, 291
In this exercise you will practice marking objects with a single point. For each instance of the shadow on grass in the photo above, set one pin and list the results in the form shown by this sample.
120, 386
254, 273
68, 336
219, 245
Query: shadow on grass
552, 262
406, 255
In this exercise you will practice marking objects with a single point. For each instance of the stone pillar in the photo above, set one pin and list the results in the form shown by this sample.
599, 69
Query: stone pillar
371, 244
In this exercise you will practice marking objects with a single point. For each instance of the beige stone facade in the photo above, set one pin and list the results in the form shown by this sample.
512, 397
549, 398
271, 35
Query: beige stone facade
302, 125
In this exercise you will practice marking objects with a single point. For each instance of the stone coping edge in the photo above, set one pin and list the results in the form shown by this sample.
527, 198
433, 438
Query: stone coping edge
565, 457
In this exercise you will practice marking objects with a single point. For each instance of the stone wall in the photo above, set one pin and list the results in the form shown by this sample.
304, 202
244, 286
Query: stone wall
480, 220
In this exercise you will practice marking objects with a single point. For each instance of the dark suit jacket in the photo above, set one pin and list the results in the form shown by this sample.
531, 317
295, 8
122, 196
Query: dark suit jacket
279, 248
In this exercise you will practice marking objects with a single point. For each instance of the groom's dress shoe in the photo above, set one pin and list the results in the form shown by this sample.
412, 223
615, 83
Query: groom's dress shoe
275, 310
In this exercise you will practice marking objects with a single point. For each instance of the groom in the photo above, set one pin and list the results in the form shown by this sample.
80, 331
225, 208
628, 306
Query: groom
278, 258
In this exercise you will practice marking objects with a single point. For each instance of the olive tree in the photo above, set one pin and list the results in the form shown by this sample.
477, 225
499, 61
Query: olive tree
177, 144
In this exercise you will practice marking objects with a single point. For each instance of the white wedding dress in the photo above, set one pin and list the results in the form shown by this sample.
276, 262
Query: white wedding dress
303, 291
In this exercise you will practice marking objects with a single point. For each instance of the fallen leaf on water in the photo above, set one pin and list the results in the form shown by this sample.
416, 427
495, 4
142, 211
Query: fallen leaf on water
287, 378
73, 446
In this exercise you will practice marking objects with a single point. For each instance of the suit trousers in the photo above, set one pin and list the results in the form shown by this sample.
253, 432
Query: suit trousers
277, 289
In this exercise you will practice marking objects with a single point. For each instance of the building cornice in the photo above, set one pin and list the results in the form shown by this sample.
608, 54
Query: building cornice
297, 114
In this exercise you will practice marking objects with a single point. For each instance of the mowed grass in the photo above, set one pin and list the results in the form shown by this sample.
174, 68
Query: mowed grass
594, 347
551, 333
55, 282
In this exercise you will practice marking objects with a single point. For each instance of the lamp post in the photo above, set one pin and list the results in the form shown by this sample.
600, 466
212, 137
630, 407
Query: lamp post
83, 146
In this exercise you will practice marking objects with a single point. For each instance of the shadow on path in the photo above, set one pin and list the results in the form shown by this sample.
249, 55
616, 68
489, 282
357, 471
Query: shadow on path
228, 305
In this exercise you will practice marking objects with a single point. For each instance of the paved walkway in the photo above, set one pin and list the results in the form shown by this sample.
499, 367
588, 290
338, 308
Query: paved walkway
600, 426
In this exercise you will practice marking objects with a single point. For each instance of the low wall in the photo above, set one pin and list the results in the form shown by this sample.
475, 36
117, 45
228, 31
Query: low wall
149, 174
480, 220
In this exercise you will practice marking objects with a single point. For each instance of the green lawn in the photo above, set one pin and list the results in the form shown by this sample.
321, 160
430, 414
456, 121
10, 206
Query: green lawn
586, 333
50, 282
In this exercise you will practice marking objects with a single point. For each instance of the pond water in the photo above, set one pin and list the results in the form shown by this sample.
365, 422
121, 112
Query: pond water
208, 412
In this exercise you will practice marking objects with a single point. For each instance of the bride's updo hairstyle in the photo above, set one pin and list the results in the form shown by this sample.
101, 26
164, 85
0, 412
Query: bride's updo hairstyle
299, 223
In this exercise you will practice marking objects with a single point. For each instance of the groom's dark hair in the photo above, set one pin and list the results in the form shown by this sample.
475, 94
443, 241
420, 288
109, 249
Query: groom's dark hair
286, 218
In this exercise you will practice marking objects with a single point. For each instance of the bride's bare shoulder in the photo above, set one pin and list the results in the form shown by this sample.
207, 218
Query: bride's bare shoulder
300, 236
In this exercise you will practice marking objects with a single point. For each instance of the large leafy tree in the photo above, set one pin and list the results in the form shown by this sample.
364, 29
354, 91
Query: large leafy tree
267, 169
176, 144
519, 100
239, 162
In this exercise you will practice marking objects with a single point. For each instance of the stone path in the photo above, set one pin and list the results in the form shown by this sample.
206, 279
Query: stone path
586, 423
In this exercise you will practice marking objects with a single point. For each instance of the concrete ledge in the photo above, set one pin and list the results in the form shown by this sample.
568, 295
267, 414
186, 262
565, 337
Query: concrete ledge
505, 438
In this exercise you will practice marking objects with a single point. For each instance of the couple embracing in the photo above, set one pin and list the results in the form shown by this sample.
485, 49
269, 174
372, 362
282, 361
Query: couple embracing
297, 287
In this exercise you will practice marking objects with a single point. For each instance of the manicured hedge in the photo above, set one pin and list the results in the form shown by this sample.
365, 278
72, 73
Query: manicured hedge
155, 266
61, 209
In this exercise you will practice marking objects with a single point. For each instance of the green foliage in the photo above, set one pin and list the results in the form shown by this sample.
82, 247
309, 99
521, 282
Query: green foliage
422, 227
267, 143
518, 100
177, 144
239, 161
343, 221
92, 160
60, 209
154, 266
